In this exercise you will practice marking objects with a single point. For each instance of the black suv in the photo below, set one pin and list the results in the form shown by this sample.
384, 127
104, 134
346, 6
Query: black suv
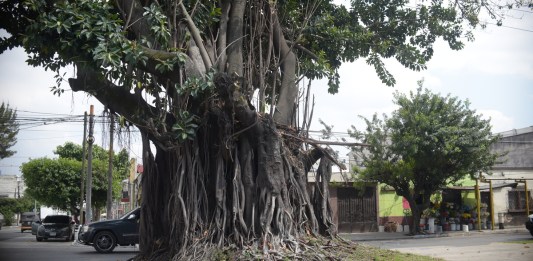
56, 226
104, 236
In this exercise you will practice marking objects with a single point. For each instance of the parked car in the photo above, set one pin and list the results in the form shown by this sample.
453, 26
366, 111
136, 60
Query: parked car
529, 224
104, 236
1, 220
34, 226
56, 226
27, 219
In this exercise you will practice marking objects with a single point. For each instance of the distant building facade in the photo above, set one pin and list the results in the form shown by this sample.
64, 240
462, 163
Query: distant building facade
512, 175
361, 209
11, 186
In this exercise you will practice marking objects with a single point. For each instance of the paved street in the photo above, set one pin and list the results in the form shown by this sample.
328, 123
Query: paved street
18, 246
487, 246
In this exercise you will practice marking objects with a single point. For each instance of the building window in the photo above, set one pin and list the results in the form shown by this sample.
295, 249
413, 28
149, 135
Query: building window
517, 200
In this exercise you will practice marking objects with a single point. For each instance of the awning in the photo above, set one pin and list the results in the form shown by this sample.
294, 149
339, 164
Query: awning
483, 187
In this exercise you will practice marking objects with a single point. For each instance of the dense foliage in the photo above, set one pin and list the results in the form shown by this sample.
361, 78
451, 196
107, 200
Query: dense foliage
430, 141
9, 129
56, 182
197, 79
10, 206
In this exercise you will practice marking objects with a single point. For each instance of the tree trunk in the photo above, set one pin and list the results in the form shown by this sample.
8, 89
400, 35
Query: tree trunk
236, 183
417, 209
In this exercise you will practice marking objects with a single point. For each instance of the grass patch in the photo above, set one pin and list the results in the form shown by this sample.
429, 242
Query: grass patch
364, 252
528, 241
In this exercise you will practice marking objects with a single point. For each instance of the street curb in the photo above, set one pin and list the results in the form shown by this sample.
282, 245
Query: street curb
386, 236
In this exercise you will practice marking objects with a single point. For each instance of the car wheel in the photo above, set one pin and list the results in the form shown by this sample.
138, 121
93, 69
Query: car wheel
39, 239
104, 242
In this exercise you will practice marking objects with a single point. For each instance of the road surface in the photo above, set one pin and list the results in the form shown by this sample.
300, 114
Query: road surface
18, 246
517, 246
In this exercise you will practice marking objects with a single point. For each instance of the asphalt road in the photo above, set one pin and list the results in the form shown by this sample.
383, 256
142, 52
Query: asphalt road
512, 246
516, 246
18, 246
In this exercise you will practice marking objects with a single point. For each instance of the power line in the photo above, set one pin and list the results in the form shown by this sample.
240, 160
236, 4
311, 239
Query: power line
511, 27
50, 138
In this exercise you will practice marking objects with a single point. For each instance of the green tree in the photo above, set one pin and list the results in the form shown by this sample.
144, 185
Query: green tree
9, 129
223, 170
10, 206
56, 182
429, 142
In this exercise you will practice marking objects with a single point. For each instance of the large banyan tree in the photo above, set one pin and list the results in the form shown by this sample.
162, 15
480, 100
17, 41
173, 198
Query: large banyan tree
216, 87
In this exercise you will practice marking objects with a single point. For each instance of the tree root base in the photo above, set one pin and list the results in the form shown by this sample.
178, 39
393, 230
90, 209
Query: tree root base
308, 248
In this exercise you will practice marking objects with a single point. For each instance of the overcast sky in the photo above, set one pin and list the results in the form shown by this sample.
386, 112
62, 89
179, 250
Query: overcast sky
495, 73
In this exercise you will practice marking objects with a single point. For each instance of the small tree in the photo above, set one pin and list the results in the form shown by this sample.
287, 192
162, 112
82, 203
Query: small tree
10, 206
428, 142
56, 182
9, 129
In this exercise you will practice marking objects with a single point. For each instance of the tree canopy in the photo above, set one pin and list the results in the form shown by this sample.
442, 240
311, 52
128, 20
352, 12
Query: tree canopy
429, 142
9, 129
197, 79
56, 182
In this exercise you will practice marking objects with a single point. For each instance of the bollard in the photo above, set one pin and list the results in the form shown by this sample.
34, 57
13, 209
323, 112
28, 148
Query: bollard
500, 220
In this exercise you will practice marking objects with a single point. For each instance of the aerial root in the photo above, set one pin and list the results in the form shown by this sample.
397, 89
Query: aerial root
305, 248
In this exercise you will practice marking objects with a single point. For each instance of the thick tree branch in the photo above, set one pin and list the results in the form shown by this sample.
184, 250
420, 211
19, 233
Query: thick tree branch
287, 97
235, 38
132, 12
222, 36
155, 57
303, 49
121, 101
197, 38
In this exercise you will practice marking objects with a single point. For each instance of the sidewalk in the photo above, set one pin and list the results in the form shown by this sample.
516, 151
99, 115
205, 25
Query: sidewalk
384, 236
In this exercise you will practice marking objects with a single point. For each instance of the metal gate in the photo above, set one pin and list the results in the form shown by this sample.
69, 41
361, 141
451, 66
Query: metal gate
357, 210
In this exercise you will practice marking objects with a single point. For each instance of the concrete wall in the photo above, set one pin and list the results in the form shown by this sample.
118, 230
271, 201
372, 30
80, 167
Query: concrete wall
391, 208
516, 165
519, 148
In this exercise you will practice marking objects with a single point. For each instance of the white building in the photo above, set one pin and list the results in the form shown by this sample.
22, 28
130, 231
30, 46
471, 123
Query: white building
512, 176
11, 186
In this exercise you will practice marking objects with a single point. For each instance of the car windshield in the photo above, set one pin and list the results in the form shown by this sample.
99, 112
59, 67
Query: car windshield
27, 217
127, 214
57, 219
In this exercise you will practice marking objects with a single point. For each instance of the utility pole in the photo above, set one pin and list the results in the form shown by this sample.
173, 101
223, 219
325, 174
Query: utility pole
90, 141
18, 187
109, 213
82, 174
131, 182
